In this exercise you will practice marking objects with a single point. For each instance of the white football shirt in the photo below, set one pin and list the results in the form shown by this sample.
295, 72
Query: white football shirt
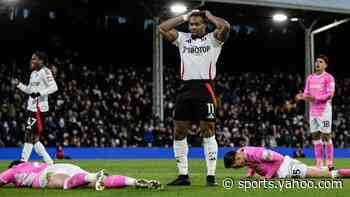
198, 56
41, 81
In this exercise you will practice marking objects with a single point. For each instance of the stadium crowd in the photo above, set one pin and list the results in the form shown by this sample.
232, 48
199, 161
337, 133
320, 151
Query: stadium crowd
108, 106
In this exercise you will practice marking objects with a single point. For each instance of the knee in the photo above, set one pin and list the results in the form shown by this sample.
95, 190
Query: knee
316, 136
208, 133
180, 132
207, 129
327, 138
36, 138
28, 136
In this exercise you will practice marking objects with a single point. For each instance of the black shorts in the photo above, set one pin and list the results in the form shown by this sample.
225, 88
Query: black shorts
32, 121
196, 101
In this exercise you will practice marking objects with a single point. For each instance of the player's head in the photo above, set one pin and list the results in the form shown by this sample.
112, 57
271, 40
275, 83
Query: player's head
321, 63
38, 59
15, 163
234, 159
197, 23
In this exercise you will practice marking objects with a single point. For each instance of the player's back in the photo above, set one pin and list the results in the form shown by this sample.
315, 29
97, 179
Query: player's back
30, 167
262, 160
25, 173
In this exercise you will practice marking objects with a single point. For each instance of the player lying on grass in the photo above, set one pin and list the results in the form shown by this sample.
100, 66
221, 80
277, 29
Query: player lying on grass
270, 164
66, 176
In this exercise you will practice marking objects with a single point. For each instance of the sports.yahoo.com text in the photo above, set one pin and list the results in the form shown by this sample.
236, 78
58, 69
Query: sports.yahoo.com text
282, 184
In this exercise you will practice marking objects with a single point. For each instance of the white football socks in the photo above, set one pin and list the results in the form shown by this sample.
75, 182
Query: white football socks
26, 151
90, 177
211, 152
40, 150
130, 181
181, 151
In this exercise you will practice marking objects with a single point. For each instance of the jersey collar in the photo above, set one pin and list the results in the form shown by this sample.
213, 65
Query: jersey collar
198, 37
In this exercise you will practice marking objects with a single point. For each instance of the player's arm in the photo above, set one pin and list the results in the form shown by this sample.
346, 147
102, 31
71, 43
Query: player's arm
50, 83
250, 172
275, 159
222, 30
6, 177
306, 94
330, 88
167, 28
271, 156
21, 86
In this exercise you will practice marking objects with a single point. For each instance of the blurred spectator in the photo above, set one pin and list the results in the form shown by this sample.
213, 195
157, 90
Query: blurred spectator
60, 153
298, 152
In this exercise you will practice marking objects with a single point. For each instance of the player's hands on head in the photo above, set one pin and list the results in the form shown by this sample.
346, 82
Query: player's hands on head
207, 13
34, 94
193, 11
185, 16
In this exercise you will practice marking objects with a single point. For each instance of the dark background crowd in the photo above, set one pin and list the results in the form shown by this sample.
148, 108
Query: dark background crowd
109, 106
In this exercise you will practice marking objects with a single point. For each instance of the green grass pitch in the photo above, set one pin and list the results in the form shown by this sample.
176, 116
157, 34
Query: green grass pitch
165, 171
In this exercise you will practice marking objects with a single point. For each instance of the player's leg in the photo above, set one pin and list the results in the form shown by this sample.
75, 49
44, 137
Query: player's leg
65, 181
75, 177
56, 180
301, 170
327, 139
84, 178
41, 151
341, 173
119, 181
292, 168
327, 136
28, 137
182, 121
181, 146
79, 177
206, 112
210, 150
316, 172
180, 152
27, 146
39, 147
318, 147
